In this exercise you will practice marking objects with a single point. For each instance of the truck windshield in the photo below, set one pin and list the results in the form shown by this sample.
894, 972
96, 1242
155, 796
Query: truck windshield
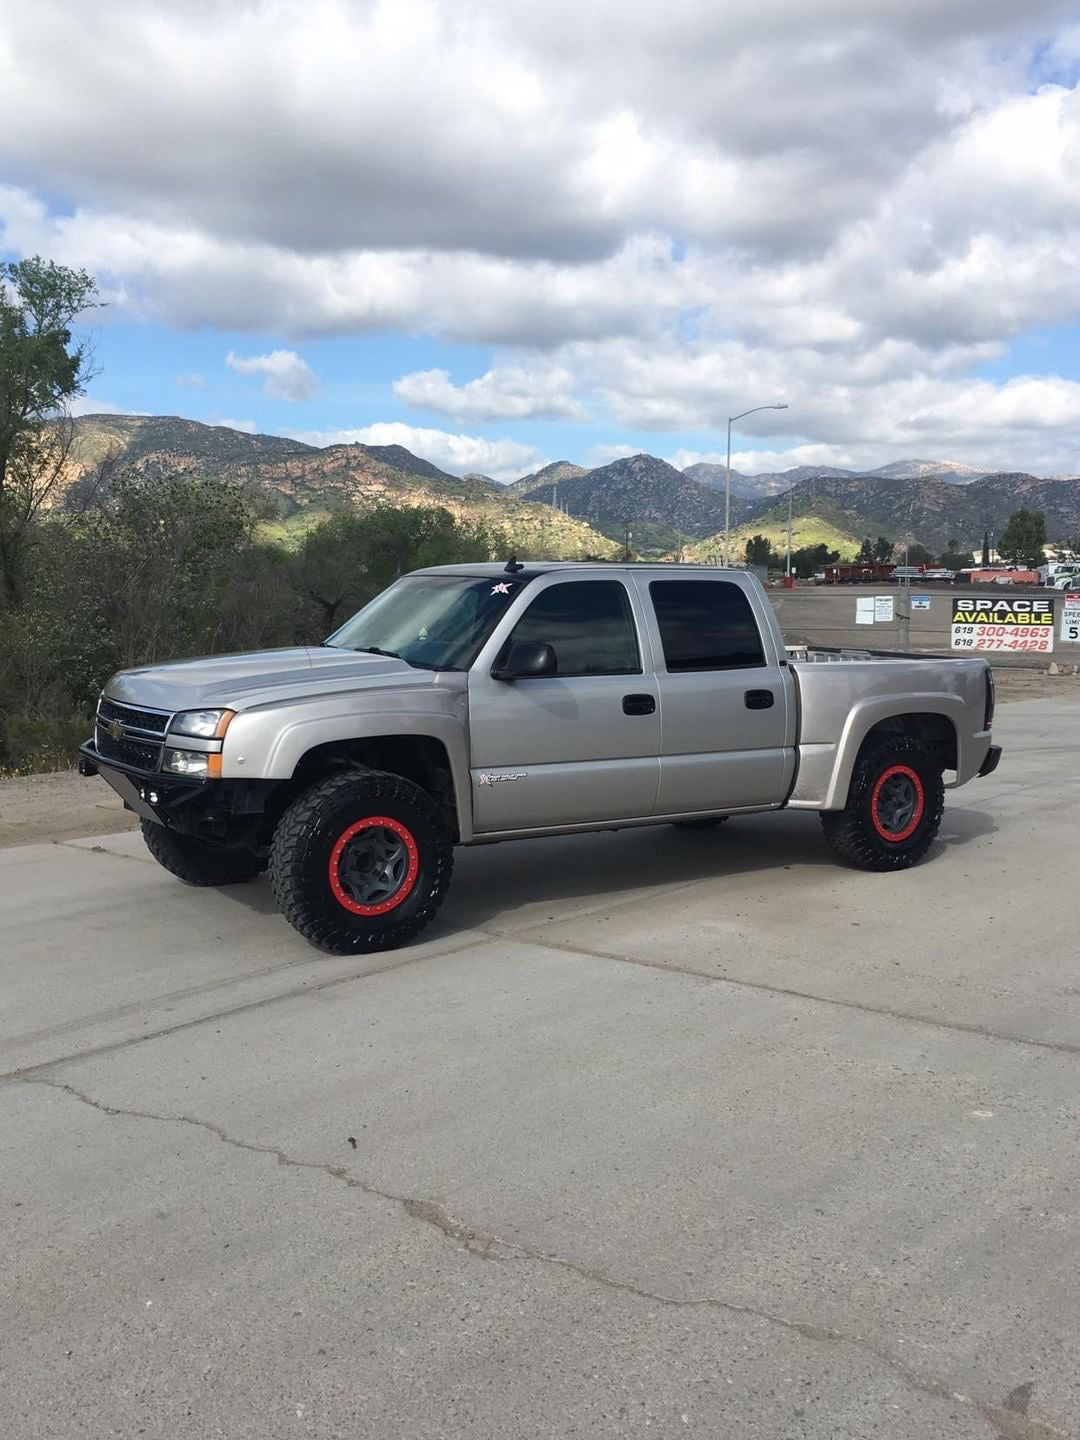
434, 621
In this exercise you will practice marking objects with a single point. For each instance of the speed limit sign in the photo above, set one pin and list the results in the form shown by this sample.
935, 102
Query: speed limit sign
1070, 619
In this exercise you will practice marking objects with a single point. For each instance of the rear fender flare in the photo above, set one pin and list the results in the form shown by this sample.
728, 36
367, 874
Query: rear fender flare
862, 719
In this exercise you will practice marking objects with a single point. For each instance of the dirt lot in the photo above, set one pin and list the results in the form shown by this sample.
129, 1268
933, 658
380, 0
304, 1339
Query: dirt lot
1033, 685
58, 806
64, 806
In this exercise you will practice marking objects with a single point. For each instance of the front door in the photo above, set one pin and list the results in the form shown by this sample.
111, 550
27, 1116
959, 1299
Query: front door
576, 746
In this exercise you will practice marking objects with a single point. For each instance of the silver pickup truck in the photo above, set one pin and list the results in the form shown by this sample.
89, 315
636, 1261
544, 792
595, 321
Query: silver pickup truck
474, 703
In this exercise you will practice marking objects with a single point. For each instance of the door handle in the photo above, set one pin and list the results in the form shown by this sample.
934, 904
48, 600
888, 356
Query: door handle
759, 699
638, 704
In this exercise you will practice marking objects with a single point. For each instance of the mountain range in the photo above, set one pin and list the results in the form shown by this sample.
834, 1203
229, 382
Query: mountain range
569, 510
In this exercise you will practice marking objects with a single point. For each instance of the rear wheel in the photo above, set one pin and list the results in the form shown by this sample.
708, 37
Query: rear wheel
361, 862
199, 862
894, 806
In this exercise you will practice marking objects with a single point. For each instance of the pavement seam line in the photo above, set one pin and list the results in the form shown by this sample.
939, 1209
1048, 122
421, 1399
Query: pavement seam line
317, 987
1060, 1047
1009, 1423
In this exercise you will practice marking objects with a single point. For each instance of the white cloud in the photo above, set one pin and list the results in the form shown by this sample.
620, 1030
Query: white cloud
248, 426
191, 381
90, 405
605, 454
508, 393
662, 214
286, 375
502, 460
195, 279
682, 459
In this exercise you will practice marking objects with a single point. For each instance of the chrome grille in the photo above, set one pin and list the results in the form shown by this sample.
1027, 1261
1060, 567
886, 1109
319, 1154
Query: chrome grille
149, 722
129, 734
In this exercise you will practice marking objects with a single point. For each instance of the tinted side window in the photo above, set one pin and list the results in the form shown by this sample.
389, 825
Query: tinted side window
706, 625
589, 625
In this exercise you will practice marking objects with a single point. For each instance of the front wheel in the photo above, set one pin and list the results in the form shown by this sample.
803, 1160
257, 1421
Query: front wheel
361, 861
894, 806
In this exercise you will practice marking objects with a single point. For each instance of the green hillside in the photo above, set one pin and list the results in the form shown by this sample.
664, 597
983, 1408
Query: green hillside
818, 524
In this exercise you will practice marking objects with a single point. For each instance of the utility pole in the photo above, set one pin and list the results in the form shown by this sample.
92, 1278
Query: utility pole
626, 541
789, 494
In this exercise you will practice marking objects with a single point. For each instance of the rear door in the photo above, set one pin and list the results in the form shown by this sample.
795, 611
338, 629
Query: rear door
727, 700
578, 746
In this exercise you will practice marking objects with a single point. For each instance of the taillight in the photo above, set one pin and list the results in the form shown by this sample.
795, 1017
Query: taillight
988, 714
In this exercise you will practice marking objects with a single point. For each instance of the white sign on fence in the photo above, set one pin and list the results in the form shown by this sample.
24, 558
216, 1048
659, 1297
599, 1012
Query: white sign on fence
1070, 619
920, 602
864, 610
883, 608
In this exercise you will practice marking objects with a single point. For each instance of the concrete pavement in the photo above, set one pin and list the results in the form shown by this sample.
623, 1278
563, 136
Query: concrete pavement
656, 1133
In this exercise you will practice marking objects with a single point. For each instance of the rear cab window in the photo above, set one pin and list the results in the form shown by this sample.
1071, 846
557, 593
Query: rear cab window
706, 625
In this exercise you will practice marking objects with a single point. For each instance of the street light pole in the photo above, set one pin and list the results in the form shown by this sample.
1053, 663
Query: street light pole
781, 405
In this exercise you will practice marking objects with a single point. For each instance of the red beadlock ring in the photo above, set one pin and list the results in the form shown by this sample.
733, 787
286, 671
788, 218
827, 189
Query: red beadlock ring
404, 890
896, 837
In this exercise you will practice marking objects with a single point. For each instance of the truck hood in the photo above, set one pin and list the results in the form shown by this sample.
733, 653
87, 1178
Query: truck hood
260, 677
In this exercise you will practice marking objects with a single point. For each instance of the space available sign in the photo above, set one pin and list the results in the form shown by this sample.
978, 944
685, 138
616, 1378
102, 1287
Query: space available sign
1020, 624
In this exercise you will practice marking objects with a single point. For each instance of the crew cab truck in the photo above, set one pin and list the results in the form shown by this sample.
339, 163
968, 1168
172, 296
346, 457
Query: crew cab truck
470, 704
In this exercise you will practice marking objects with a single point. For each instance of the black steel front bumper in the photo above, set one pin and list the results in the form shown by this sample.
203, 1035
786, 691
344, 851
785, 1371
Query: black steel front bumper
226, 811
151, 796
993, 758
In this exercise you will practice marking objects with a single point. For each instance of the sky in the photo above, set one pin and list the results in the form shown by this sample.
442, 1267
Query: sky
503, 233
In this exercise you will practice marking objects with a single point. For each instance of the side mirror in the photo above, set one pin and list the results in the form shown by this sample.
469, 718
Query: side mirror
527, 661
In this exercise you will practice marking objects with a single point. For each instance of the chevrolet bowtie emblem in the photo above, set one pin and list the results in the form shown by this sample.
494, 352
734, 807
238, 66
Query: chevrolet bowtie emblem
115, 729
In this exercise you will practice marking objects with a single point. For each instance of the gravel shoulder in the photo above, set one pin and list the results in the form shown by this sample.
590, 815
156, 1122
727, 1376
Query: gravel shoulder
61, 805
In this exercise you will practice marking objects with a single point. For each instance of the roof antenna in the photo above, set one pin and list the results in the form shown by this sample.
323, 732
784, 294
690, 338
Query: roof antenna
512, 566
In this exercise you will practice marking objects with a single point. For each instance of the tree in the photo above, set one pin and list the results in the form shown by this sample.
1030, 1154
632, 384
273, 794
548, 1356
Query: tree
350, 557
866, 552
1024, 537
883, 549
812, 558
919, 555
956, 559
41, 371
759, 550
986, 548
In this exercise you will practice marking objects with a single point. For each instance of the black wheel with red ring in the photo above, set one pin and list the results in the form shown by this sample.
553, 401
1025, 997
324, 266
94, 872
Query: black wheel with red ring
894, 808
361, 861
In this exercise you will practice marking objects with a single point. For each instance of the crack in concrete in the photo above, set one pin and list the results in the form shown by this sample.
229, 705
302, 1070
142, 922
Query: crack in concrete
1010, 1419
102, 849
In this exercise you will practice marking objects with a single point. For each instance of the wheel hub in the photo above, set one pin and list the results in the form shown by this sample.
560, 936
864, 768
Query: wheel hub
374, 865
897, 803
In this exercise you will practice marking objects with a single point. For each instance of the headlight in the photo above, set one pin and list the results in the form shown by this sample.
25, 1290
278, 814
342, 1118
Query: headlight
198, 764
207, 724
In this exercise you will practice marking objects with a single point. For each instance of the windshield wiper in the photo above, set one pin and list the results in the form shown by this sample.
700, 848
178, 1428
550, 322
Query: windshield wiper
393, 655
